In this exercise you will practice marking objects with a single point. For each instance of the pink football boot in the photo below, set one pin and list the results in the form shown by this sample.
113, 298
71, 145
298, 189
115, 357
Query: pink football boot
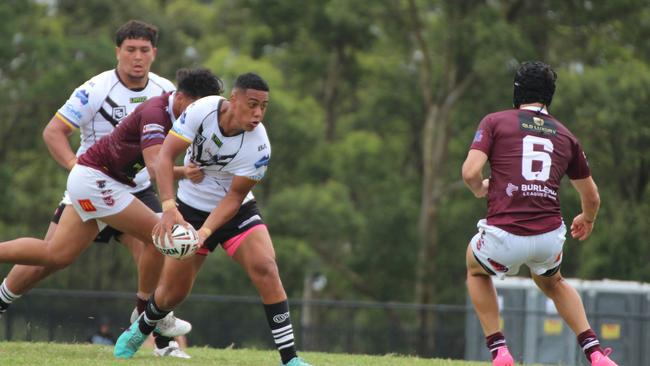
505, 359
601, 359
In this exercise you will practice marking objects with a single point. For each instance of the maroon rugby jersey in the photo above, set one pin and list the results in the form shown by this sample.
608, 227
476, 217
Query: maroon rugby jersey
529, 153
119, 154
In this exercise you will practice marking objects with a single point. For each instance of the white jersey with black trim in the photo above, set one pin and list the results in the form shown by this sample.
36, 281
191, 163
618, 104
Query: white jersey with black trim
221, 157
99, 104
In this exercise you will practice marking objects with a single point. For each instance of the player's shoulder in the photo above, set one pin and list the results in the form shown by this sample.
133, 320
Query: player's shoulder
103, 81
205, 105
162, 82
499, 115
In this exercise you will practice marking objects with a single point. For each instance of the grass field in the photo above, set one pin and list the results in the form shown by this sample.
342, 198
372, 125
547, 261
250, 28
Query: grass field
54, 354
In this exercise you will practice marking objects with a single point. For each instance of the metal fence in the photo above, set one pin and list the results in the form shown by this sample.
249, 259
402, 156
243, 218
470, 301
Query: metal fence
535, 332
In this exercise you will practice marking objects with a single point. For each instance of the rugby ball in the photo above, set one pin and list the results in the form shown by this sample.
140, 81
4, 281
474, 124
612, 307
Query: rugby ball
184, 243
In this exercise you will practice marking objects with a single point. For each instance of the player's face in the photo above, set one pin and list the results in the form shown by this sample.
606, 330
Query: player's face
250, 106
134, 58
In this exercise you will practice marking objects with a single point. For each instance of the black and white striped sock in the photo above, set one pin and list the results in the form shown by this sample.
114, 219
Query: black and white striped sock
6, 297
152, 315
279, 321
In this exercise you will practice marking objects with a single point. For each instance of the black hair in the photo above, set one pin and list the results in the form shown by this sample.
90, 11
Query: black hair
250, 80
534, 83
198, 83
136, 29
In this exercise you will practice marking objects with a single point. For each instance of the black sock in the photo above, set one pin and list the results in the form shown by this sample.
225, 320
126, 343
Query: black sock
279, 321
161, 340
152, 314
494, 342
140, 304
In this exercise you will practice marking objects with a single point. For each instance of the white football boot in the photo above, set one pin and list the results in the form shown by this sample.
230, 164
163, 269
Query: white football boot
169, 326
173, 350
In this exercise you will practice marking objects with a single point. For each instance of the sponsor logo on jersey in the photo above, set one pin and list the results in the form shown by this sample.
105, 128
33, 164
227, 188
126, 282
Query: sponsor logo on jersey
71, 110
536, 124
537, 190
261, 147
101, 184
281, 317
510, 189
479, 243
478, 136
216, 140
87, 206
138, 99
153, 127
119, 112
82, 95
183, 118
264, 161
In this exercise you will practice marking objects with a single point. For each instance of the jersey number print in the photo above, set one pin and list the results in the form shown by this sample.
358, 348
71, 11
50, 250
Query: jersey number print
530, 155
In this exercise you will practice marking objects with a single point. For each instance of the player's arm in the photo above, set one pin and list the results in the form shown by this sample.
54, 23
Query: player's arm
583, 224
56, 136
173, 146
472, 172
228, 207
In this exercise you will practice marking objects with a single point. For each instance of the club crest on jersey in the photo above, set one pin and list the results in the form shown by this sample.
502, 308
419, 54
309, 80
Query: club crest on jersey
199, 139
119, 112
83, 96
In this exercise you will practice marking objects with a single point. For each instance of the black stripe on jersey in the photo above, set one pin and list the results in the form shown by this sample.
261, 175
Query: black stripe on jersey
110, 101
108, 117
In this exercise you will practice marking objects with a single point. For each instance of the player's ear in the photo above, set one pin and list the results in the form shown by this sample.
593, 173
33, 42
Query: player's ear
154, 51
117, 53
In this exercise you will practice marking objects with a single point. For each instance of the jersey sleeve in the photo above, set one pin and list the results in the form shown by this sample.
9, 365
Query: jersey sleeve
578, 167
82, 105
254, 160
187, 126
483, 136
153, 127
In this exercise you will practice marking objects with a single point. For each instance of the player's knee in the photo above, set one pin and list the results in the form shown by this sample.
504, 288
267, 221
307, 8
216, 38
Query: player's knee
59, 261
265, 269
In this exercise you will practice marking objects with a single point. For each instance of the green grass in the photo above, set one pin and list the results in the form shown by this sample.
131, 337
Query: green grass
53, 354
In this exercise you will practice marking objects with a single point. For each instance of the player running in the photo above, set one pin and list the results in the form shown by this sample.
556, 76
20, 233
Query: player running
95, 108
228, 140
529, 152
101, 183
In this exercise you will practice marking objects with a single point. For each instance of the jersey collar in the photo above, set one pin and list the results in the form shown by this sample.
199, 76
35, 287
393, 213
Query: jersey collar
170, 107
535, 109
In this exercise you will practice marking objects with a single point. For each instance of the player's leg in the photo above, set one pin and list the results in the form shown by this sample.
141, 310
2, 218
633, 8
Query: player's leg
486, 244
569, 305
257, 256
175, 284
22, 278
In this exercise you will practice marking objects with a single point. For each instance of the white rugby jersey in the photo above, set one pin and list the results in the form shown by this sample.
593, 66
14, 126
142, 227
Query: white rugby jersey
221, 157
97, 106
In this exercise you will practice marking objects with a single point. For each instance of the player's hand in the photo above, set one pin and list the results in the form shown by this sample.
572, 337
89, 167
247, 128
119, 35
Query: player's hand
167, 221
483, 191
581, 228
194, 173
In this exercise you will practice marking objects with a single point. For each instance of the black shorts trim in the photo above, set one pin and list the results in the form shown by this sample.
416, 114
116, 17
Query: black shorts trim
489, 271
148, 196
248, 216
551, 272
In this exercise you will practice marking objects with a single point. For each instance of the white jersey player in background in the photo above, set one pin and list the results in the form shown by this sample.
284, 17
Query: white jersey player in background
94, 109
228, 140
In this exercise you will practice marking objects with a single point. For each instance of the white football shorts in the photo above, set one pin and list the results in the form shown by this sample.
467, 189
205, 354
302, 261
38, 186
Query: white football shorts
503, 253
95, 195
